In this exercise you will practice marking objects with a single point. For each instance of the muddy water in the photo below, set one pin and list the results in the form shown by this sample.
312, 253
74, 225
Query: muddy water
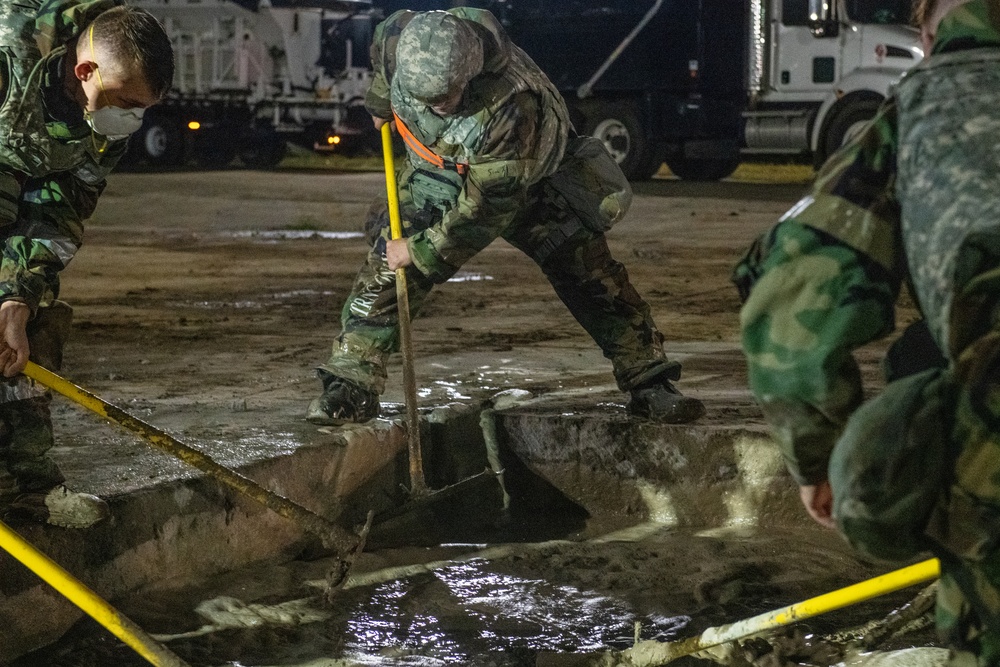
485, 605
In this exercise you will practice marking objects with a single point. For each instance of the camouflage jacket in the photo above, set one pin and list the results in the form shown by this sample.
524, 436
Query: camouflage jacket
52, 166
824, 281
514, 135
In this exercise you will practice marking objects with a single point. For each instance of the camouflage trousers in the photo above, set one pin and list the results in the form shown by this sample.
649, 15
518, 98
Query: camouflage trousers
25, 421
576, 260
958, 435
965, 528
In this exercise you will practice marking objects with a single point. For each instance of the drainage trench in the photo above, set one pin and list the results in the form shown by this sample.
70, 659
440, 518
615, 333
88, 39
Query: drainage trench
615, 530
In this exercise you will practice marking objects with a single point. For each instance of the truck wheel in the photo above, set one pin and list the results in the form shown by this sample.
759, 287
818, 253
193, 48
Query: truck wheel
262, 149
159, 142
618, 127
703, 169
848, 122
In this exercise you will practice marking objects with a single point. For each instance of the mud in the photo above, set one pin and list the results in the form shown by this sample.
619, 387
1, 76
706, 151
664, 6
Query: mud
513, 609
203, 301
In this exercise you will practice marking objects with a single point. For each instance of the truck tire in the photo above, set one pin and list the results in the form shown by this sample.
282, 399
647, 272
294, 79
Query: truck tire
703, 169
617, 125
847, 122
262, 149
159, 142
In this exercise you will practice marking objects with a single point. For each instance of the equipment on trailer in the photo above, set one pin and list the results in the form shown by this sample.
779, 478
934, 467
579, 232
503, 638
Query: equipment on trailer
252, 75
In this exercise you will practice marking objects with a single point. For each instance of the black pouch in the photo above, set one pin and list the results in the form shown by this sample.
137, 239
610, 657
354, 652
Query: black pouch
593, 184
890, 467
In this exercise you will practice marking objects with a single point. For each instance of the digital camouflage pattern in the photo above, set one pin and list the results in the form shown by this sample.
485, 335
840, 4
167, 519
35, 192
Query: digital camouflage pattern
512, 131
438, 55
913, 199
948, 210
515, 136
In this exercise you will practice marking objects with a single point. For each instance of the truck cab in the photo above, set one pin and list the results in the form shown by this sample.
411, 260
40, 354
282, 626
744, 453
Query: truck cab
700, 84
834, 63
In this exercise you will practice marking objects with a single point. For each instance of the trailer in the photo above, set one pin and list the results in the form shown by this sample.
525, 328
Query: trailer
252, 75
700, 84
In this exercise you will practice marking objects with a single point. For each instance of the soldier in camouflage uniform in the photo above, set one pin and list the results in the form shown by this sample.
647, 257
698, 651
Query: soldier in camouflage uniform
914, 200
491, 153
75, 78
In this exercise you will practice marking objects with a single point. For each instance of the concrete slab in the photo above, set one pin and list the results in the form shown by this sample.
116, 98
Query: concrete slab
170, 522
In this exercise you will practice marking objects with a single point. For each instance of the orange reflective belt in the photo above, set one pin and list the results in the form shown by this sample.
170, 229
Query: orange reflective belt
424, 152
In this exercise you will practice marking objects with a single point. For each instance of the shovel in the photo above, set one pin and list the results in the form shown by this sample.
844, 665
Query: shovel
344, 543
418, 486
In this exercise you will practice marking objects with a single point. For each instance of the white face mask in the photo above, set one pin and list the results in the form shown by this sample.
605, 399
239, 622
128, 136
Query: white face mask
111, 122
114, 122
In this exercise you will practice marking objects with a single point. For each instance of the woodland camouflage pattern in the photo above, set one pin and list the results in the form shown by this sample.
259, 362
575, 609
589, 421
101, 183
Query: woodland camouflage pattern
52, 170
913, 199
512, 130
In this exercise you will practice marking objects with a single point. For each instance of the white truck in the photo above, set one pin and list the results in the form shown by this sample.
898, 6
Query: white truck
254, 74
698, 83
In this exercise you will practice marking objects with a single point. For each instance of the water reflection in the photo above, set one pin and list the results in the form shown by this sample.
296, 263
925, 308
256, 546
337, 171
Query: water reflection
455, 615
295, 234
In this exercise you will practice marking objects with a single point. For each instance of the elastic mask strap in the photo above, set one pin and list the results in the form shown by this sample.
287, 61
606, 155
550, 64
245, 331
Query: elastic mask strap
100, 83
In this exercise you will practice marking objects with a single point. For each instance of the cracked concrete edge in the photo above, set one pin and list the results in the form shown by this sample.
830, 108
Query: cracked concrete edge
189, 528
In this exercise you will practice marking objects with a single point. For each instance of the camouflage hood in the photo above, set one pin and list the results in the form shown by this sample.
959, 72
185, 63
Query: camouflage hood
59, 21
496, 44
510, 72
438, 55
440, 52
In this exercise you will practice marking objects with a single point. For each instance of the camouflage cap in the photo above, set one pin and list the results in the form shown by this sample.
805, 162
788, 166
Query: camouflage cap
437, 56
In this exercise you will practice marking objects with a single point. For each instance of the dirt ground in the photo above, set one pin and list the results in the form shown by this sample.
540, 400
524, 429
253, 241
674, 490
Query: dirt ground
199, 281
225, 288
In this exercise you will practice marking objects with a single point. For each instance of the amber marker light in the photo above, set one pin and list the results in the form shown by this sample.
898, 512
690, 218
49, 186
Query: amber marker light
194, 125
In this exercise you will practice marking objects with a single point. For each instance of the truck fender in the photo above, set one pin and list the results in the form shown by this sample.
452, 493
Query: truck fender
866, 86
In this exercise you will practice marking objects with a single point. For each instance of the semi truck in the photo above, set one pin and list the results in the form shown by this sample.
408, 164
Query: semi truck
251, 75
699, 84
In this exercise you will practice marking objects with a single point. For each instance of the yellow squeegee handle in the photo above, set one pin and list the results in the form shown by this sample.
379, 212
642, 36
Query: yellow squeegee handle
659, 653
87, 600
333, 536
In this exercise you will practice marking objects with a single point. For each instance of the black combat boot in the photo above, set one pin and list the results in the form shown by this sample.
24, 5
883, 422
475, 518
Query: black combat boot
342, 402
660, 401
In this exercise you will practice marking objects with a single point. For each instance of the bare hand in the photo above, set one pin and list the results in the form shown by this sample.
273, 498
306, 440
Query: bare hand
818, 501
14, 317
397, 254
379, 122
